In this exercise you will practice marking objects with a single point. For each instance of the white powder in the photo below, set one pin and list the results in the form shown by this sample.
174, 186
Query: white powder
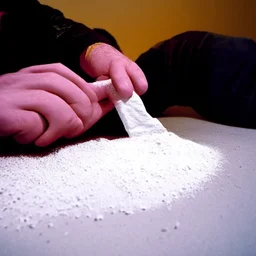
103, 176
106, 176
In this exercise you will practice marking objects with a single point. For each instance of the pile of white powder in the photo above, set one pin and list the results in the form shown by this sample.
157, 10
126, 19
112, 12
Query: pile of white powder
148, 170
103, 176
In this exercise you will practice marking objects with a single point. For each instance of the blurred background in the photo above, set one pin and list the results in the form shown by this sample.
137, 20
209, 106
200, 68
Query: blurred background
138, 25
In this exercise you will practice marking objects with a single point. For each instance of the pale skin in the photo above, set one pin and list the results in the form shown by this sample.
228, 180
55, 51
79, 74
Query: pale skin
41, 104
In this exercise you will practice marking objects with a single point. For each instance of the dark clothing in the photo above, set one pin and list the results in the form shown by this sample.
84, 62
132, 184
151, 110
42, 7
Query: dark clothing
213, 74
32, 34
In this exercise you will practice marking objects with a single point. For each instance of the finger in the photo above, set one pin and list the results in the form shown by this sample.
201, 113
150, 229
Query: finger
120, 79
99, 110
74, 128
18, 121
104, 107
100, 78
62, 120
65, 89
30, 126
63, 71
137, 77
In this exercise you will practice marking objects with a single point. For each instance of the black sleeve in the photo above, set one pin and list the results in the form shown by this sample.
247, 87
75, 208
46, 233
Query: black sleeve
66, 38
66, 31
70, 36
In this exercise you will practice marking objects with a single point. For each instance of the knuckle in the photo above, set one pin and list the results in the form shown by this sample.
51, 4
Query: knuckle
42, 97
51, 75
86, 113
20, 123
58, 65
118, 61
8, 125
132, 65
74, 123
9, 80
27, 127
75, 127
56, 68
90, 92
134, 68
51, 78
24, 70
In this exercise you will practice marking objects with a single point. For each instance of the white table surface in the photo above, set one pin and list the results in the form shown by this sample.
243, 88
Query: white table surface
220, 220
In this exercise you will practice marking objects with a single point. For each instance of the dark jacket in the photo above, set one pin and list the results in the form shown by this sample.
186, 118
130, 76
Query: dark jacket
32, 34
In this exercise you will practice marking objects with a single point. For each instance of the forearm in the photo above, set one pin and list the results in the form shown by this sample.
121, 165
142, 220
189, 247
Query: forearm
65, 38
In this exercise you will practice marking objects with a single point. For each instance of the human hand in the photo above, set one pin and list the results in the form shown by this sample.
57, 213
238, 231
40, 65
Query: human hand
103, 60
44, 103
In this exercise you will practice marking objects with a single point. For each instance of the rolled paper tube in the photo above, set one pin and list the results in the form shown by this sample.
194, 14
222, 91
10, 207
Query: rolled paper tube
132, 112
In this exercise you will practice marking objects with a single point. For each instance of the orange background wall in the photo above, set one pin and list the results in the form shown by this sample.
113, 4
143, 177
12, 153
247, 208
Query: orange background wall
138, 24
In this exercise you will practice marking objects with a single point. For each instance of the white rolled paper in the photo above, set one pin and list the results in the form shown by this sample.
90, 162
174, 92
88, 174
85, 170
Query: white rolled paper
132, 112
